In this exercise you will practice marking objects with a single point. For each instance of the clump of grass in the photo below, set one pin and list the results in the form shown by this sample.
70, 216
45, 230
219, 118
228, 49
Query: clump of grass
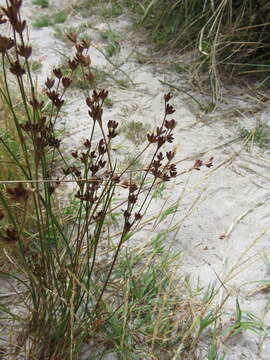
60, 17
42, 3
142, 58
180, 67
135, 131
42, 21
260, 136
112, 9
108, 103
84, 7
35, 65
123, 83
230, 36
113, 39
45, 20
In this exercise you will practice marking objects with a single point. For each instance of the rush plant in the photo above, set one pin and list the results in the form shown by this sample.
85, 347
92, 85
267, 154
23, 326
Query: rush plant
59, 262
65, 264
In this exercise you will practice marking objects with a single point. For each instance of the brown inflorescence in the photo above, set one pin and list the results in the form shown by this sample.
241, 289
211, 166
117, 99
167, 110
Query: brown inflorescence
18, 193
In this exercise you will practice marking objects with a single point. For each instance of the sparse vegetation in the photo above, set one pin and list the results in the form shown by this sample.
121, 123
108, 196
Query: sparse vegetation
108, 103
60, 17
35, 65
84, 8
112, 9
135, 131
46, 20
113, 39
42, 21
260, 136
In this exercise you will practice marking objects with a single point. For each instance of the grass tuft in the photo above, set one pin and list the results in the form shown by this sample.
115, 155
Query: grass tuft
228, 36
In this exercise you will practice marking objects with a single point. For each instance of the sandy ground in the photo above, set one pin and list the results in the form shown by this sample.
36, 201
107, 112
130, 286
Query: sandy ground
223, 214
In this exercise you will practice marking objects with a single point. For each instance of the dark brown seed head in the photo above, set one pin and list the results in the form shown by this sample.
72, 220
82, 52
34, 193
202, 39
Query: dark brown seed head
53, 95
138, 216
116, 179
102, 163
133, 187
198, 164
54, 142
173, 173
112, 124
27, 126
19, 193
17, 69
127, 214
66, 81
167, 97
73, 64
170, 124
84, 60
79, 47
12, 13
156, 164
161, 141
77, 172
87, 143
36, 104
169, 109
132, 199
96, 112
20, 26
25, 51
94, 169
101, 147
169, 138
49, 83
165, 177
55, 98
74, 154
170, 155
209, 163
5, 44
93, 155
103, 94
58, 73
86, 43
83, 157
89, 102
152, 138
11, 235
